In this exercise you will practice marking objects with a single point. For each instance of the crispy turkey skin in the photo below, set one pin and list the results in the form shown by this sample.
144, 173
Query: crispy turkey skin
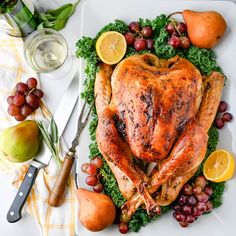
149, 109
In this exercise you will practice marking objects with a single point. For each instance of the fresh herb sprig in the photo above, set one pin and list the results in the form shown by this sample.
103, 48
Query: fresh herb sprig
50, 138
56, 19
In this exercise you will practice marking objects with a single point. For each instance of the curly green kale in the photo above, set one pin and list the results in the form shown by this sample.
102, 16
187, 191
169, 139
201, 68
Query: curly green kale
141, 218
163, 49
203, 59
156, 23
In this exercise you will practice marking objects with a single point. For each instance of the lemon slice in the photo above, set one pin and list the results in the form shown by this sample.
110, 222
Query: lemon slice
219, 166
111, 47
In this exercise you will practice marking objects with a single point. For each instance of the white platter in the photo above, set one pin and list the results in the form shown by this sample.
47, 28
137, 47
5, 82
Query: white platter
96, 14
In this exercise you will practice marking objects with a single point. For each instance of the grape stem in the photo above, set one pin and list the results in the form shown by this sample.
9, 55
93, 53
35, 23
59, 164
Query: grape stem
174, 13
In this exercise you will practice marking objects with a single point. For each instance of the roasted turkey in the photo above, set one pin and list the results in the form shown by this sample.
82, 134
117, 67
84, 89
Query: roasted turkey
159, 111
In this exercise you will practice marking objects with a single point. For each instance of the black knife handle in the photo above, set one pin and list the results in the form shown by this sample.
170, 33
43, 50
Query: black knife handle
14, 213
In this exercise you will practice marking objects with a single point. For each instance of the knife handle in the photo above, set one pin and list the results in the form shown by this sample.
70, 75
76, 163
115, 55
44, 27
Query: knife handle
14, 213
57, 194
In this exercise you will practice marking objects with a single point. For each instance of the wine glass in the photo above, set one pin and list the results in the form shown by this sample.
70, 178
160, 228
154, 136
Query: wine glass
47, 52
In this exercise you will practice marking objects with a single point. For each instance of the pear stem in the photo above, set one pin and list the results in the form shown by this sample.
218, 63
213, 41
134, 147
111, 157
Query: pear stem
174, 13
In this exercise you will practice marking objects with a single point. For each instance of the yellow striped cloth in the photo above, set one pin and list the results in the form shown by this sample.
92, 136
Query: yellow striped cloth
13, 68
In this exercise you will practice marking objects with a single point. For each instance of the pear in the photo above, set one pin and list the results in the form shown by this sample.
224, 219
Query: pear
204, 28
96, 210
21, 142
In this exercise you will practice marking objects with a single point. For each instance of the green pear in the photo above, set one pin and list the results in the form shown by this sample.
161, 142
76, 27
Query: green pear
21, 142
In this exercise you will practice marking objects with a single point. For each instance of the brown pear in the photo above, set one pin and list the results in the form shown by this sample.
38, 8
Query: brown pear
96, 210
204, 28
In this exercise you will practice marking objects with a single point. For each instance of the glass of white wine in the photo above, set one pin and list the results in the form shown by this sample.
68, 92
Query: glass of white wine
46, 51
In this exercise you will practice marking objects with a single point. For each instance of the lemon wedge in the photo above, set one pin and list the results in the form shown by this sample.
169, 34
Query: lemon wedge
111, 47
219, 166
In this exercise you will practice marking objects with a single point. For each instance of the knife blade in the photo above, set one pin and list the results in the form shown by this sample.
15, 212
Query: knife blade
42, 159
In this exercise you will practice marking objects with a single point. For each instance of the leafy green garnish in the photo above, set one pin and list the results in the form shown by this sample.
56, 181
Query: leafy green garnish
141, 218
163, 49
203, 59
217, 196
156, 24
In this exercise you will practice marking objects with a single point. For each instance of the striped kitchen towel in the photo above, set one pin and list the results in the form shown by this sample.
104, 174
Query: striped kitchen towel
13, 69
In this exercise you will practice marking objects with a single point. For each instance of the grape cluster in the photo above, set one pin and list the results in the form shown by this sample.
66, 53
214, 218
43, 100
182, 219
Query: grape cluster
92, 169
139, 38
177, 32
26, 99
222, 115
193, 201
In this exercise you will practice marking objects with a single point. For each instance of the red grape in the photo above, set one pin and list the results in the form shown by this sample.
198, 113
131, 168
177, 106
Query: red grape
20, 117
196, 212
183, 224
91, 169
97, 162
188, 189
140, 44
38, 93
129, 37
201, 206
179, 216
177, 207
190, 219
185, 42
175, 34
201, 181
208, 190
197, 190
26, 110
209, 206
202, 197
223, 106
99, 176
182, 28
192, 201
123, 228
98, 188
174, 42
134, 27
32, 100
219, 123
170, 28
187, 210
18, 100
182, 200
147, 32
18, 93
91, 180
150, 44
21, 87
32, 83
13, 110
10, 100
227, 117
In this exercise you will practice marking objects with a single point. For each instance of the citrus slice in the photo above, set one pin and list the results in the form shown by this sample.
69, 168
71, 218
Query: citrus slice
219, 166
111, 47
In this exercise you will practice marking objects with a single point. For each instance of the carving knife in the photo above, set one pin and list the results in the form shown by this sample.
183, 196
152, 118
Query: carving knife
42, 159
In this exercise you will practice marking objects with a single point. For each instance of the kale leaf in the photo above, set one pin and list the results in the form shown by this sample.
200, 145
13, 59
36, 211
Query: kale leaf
203, 59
